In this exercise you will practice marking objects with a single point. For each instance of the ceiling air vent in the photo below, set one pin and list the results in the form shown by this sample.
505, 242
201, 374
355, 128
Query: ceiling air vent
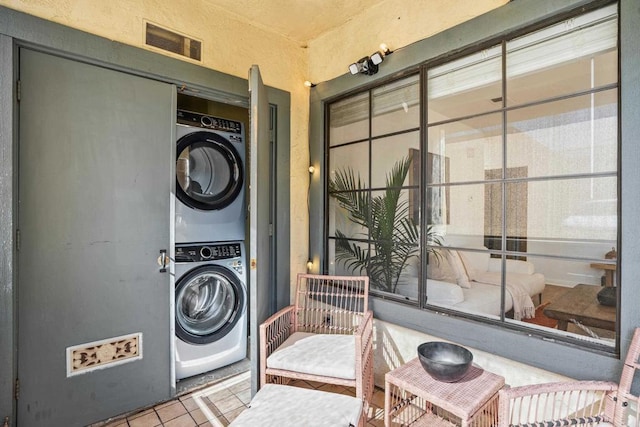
172, 42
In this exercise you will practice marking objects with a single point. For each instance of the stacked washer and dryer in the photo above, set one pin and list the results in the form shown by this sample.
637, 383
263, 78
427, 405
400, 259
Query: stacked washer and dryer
210, 292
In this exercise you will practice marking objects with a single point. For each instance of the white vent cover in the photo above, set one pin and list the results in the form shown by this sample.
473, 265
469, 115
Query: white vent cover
103, 354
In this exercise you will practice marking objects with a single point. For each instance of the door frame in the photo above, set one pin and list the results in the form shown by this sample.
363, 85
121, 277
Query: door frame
22, 30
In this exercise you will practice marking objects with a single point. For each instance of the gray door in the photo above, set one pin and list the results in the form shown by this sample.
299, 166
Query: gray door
259, 205
95, 173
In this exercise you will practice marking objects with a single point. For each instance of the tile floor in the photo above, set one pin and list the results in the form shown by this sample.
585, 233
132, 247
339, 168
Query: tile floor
218, 404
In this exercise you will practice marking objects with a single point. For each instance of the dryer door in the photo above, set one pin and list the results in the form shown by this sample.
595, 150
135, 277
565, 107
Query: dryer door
208, 171
209, 302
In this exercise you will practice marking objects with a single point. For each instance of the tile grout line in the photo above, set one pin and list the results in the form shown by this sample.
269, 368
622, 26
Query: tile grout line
197, 396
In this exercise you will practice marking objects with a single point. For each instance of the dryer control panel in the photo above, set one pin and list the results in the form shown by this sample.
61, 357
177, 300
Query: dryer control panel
209, 122
207, 252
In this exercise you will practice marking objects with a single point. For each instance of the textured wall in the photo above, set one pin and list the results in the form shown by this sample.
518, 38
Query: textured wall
394, 22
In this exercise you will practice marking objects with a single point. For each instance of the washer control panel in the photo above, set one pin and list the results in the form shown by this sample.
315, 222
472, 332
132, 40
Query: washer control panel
209, 122
207, 252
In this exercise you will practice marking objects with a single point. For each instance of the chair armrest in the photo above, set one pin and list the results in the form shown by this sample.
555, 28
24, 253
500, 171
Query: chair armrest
364, 357
560, 400
364, 340
367, 319
275, 330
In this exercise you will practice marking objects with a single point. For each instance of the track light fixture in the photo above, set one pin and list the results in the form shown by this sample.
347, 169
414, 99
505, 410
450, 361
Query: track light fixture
369, 64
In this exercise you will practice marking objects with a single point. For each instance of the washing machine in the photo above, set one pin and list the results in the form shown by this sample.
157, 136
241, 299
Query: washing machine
210, 191
210, 307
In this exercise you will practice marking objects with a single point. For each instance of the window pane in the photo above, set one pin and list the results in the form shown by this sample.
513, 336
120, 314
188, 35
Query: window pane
461, 280
344, 214
395, 238
575, 217
573, 136
350, 161
396, 106
409, 280
469, 146
395, 151
466, 222
569, 57
349, 119
466, 86
340, 261
574, 302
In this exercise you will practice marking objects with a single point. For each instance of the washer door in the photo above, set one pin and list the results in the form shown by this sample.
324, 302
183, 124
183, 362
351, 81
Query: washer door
210, 301
208, 171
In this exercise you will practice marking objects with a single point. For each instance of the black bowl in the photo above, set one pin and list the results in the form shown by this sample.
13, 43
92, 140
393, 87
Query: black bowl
607, 296
444, 361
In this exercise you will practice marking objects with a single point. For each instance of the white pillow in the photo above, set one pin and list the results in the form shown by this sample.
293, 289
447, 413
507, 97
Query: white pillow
475, 263
443, 293
439, 267
458, 269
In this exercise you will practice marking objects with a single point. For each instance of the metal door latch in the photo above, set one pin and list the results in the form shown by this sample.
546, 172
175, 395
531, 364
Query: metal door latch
163, 260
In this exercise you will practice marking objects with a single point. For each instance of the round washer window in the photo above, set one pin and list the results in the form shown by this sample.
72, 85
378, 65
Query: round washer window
208, 171
209, 302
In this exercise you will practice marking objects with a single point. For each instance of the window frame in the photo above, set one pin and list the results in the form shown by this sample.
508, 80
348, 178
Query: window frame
424, 124
510, 20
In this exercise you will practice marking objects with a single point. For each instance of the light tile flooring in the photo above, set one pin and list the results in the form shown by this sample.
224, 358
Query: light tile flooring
218, 404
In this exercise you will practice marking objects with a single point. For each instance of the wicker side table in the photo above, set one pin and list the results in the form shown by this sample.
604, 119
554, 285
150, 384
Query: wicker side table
413, 398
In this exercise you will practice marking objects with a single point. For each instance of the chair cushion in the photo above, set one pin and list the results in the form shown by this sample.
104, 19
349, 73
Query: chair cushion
317, 354
280, 405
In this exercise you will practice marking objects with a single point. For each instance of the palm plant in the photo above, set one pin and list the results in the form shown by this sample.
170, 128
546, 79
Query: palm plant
393, 234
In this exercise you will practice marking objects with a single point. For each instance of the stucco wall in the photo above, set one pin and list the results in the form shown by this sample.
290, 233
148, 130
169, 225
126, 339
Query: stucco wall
232, 46
397, 23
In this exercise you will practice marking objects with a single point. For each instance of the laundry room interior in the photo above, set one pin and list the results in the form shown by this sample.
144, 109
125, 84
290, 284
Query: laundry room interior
211, 225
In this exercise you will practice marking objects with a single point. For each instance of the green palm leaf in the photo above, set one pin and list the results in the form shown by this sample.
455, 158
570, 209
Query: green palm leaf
394, 235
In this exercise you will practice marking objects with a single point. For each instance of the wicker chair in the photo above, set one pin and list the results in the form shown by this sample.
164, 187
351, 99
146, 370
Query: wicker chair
325, 336
580, 403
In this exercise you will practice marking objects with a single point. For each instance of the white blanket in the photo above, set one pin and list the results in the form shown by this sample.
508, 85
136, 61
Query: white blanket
523, 307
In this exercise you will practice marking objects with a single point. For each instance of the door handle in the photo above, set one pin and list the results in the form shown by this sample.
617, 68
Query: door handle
163, 259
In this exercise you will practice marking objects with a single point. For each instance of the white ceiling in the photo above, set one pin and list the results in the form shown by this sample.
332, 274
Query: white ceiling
298, 20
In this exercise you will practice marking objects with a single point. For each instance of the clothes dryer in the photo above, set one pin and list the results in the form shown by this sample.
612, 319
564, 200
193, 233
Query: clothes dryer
210, 191
211, 307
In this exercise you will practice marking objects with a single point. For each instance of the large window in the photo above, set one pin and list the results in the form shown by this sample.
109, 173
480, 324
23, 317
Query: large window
487, 185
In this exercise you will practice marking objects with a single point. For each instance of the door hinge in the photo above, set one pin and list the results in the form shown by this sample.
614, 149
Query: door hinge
18, 240
16, 390
18, 90
270, 229
6, 422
